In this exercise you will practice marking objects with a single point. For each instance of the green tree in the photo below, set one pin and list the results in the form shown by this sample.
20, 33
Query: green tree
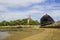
24, 21
33, 22
4, 23
19, 22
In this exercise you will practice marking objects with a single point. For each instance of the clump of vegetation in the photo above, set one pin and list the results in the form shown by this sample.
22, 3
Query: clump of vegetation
19, 22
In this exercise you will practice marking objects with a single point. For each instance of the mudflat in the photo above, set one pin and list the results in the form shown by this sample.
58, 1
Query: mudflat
35, 34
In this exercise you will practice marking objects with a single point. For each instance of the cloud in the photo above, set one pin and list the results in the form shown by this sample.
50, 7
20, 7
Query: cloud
20, 2
18, 9
16, 4
18, 15
55, 13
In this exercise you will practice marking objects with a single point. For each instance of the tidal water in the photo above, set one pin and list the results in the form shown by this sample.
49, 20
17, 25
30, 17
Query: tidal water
3, 35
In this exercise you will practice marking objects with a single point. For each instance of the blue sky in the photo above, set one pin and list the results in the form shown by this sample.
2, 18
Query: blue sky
19, 9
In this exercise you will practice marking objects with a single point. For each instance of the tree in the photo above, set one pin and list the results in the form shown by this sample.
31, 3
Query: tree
19, 22
33, 22
24, 21
4, 23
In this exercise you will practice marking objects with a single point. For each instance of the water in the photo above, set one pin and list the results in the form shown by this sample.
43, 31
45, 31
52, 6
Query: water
3, 35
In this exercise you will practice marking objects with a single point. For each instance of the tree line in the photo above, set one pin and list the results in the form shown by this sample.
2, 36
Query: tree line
19, 22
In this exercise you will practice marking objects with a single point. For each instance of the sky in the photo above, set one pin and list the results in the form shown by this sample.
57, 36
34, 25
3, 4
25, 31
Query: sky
19, 9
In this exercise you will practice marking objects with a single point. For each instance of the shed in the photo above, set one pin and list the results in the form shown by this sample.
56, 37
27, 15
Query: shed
46, 20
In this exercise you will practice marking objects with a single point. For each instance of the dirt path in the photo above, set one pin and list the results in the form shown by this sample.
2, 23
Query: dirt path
48, 34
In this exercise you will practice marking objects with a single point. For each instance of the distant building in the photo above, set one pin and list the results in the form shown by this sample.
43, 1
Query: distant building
46, 20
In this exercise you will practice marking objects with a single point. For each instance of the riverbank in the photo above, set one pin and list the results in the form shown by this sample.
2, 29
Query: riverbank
35, 34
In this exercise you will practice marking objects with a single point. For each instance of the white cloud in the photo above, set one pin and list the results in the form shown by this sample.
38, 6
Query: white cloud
2, 8
55, 13
18, 15
20, 2
39, 10
38, 7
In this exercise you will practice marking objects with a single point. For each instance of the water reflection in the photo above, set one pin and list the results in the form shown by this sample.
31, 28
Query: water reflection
3, 35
